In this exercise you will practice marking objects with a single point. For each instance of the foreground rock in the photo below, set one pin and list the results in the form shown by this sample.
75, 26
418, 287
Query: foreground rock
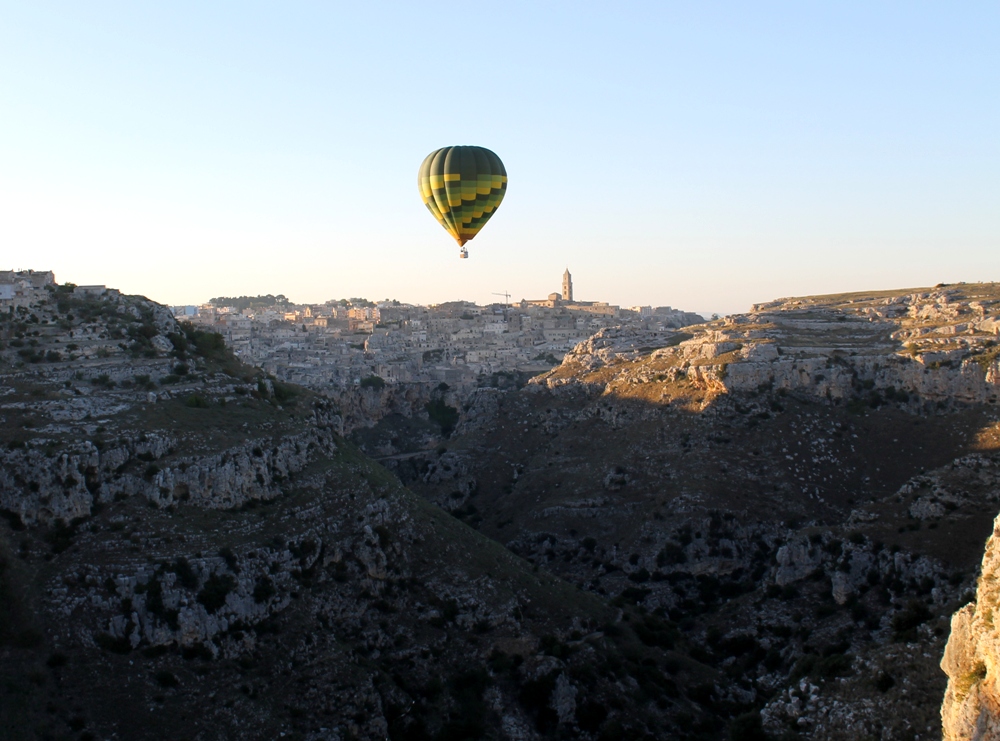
971, 708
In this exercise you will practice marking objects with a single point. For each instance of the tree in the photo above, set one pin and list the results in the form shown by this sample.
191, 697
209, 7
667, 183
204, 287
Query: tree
241, 303
373, 382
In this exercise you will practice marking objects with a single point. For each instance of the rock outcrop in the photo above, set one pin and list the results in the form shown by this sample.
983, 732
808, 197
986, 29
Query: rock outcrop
971, 707
81, 377
924, 346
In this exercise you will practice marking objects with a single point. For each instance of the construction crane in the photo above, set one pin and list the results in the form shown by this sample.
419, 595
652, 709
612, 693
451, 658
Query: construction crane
506, 303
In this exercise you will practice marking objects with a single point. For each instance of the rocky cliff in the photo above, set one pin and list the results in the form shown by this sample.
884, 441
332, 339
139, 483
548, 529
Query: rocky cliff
971, 708
922, 346
84, 377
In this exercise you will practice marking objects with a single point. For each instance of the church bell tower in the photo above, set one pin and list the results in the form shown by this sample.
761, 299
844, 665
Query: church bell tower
567, 292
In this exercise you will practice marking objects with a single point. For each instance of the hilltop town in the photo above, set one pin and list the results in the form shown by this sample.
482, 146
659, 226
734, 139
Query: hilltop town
342, 343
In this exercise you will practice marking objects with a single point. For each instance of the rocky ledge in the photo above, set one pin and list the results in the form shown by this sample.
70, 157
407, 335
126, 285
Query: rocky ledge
918, 345
104, 397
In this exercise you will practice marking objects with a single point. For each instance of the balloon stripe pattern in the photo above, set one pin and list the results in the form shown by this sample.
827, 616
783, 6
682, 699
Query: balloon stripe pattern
462, 188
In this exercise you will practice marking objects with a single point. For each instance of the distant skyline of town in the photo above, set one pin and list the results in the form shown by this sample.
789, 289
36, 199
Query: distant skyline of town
332, 344
343, 342
563, 298
489, 298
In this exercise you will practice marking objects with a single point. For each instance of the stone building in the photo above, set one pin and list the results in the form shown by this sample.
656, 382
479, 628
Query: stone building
18, 287
32, 278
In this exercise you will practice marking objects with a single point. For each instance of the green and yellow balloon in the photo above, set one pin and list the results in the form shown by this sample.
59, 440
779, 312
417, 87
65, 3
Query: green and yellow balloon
462, 187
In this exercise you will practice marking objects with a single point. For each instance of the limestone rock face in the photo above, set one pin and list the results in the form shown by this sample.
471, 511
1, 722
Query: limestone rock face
42, 489
971, 708
615, 343
794, 563
913, 348
480, 411
364, 407
106, 399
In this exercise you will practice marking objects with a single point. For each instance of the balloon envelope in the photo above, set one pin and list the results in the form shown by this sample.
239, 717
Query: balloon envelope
462, 187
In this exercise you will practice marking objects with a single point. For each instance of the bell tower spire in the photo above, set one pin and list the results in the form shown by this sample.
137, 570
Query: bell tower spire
567, 287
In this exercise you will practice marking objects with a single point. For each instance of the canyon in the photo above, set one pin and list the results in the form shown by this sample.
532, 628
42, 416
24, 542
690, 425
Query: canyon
758, 526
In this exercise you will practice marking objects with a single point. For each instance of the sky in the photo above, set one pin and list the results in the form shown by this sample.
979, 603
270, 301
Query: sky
699, 155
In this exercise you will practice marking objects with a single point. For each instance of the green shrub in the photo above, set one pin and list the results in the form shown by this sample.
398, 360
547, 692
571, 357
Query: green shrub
209, 345
154, 603
964, 683
230, 558
60, 536
654, 631
444, 415
552, 646
884, 682
747, 727
467, 721
263, 590
213, 594
803, 667
987, 358
670, 554
905, 622
373, 382
639, 577
535, 695
590, 715
114, 645
836, 665
286, 393
185, 574
165, 678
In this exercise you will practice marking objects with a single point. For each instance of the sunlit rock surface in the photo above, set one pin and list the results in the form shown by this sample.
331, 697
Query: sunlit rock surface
927, 345
971, 708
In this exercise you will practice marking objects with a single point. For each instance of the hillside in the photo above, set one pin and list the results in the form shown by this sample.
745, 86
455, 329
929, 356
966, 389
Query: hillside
804, 490
189, 549
756, 527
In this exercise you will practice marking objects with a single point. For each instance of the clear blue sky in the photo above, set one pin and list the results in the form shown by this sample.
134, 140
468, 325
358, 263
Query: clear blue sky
699, 154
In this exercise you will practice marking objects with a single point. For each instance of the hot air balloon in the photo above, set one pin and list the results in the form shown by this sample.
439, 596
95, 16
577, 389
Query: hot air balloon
462, 187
